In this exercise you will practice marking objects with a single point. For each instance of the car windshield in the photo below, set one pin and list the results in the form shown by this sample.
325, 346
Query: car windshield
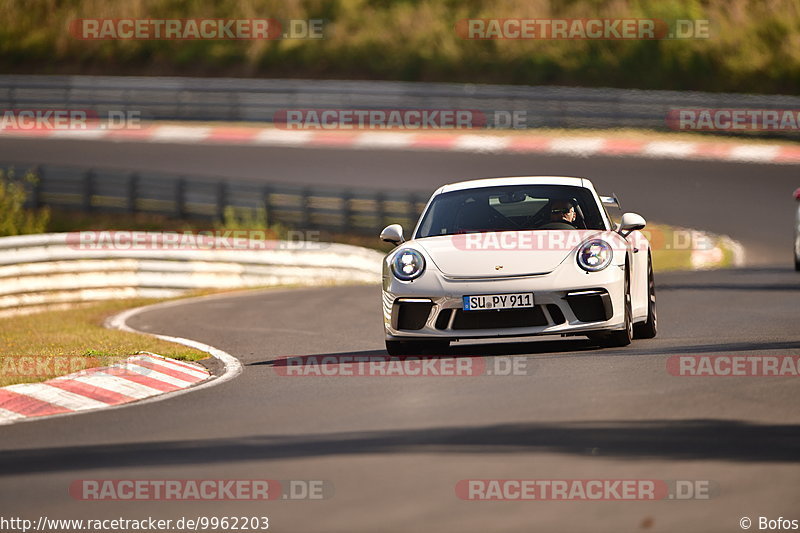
511, 208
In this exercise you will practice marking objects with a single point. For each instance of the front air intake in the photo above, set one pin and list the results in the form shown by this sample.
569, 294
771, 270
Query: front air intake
593, 305
411, 315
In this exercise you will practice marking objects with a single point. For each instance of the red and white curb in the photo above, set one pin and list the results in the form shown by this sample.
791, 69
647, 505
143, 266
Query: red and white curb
136, 378
139, 379
457, 142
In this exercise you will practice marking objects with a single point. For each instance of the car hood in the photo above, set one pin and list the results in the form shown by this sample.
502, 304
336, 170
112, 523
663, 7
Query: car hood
502, 254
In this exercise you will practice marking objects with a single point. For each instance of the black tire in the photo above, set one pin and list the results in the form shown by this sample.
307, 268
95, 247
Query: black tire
417, 347
623, 337
649, 328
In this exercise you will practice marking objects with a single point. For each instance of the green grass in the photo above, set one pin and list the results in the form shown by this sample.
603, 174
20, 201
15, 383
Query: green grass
754, 44
670, 252
76, 339
668, 260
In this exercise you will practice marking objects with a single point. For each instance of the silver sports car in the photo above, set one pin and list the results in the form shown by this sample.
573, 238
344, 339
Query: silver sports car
511, 257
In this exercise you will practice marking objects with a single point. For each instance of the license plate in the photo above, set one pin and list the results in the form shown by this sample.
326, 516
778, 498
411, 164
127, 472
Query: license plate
498, 301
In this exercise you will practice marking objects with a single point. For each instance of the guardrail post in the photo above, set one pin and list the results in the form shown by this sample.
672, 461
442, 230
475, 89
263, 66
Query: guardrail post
222, 199
180, 198
133, 192
347, 211
234, 111
305, 213
38, 185
179, 104
381, 211
266, 198
412, 209
88, 189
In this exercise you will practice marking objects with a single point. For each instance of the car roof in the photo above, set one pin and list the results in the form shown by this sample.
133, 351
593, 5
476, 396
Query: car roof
516, 180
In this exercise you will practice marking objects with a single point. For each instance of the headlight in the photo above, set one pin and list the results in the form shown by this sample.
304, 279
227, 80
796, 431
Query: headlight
595, 255
408, 264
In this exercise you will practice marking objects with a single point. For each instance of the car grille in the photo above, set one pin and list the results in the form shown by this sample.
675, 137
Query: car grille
444, 318
556, 314
593, 305
499, 319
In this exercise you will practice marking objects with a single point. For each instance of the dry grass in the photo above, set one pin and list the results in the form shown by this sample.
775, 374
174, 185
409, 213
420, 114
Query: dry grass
74, 339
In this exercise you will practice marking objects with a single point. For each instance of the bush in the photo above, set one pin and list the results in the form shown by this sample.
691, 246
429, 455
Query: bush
242, 218
15, 219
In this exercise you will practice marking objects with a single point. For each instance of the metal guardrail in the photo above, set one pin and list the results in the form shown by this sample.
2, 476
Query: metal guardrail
53, 268
230, 99
335, 209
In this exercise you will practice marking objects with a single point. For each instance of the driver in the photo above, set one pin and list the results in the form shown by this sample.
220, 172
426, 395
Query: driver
563, 211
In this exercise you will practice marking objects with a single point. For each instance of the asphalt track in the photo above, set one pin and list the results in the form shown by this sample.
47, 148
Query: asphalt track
394, 448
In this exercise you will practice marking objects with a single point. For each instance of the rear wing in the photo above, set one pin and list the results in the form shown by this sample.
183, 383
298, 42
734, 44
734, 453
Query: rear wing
611, 201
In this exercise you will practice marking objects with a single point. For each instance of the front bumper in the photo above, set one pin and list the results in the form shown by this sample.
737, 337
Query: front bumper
567, 302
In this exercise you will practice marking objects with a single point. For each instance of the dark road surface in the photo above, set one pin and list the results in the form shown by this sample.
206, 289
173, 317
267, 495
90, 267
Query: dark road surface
394, 448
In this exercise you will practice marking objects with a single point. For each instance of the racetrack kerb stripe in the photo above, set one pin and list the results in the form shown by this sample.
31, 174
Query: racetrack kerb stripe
27, 405
96, 388
430, 140
94, 392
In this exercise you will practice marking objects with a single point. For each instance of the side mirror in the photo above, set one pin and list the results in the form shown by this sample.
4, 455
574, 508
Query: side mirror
630, 222
797, 195
393, 234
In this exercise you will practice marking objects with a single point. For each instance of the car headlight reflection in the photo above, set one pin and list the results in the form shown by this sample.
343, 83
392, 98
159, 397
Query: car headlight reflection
408, 264
595, 255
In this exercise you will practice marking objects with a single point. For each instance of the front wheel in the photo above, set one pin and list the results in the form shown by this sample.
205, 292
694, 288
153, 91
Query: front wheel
649, 328
416, 347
